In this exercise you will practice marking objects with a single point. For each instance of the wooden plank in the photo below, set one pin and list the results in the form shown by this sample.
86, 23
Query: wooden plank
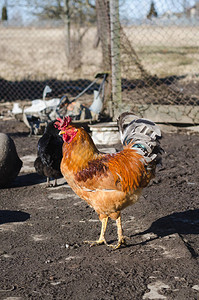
168, 113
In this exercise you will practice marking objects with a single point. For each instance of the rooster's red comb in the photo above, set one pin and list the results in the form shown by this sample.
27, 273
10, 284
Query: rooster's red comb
62, 124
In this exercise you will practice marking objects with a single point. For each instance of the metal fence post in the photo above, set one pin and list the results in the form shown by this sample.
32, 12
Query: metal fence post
115, 57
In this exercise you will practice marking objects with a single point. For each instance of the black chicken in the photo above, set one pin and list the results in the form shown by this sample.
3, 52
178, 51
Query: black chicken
49, 154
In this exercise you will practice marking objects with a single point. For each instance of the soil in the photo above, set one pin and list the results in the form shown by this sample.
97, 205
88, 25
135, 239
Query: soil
42, 232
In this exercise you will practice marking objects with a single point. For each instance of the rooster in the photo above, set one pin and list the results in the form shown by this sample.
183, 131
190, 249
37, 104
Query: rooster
49, 154
110, 182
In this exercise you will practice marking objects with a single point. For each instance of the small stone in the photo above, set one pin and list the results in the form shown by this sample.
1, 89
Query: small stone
48, 261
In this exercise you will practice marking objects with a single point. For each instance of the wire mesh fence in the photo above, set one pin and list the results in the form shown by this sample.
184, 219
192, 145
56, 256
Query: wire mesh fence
157, 51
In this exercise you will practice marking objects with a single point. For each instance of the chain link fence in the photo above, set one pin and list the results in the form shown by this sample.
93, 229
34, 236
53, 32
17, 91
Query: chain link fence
148, 49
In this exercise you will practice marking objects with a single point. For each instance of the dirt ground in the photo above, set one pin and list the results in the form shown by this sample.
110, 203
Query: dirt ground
42, 254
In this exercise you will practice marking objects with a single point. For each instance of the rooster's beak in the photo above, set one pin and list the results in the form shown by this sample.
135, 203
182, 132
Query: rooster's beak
61, 132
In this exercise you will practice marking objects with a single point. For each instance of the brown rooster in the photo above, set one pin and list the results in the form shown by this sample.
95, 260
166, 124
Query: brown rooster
110, 182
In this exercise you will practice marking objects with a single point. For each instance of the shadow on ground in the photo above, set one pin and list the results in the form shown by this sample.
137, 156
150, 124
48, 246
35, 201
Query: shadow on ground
186, 222
26, 180
182, 223
31, 179
10, 216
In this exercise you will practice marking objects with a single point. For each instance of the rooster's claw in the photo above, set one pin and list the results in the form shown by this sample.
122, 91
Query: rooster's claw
96, 243
121, 241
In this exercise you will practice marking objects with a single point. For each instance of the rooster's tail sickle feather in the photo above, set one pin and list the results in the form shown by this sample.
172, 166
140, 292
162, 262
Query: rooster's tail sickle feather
142, 134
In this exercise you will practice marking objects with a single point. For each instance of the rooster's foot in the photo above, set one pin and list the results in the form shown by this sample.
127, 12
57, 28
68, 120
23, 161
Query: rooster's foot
121, 241
96, 243
49, 185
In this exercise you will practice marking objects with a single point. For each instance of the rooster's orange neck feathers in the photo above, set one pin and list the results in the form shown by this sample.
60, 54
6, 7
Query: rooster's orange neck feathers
80, 151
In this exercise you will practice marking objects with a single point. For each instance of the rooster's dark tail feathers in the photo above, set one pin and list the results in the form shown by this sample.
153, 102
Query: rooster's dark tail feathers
142, 134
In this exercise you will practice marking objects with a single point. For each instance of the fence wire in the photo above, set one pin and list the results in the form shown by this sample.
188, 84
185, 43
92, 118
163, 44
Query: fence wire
159, 57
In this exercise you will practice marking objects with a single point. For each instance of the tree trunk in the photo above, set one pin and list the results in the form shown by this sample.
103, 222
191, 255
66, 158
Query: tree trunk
67, 23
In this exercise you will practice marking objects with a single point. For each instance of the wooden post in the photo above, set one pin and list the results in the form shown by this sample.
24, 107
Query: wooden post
103, 27
115, 57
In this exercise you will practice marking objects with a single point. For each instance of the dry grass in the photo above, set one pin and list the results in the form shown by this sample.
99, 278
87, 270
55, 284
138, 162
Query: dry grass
166, 51
39, 54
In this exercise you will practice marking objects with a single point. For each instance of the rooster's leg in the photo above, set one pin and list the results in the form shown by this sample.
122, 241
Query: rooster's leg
121, 237
55, 183
101, 238
48, 182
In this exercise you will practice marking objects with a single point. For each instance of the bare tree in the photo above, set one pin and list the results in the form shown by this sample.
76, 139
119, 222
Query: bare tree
67, 23
77, 15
